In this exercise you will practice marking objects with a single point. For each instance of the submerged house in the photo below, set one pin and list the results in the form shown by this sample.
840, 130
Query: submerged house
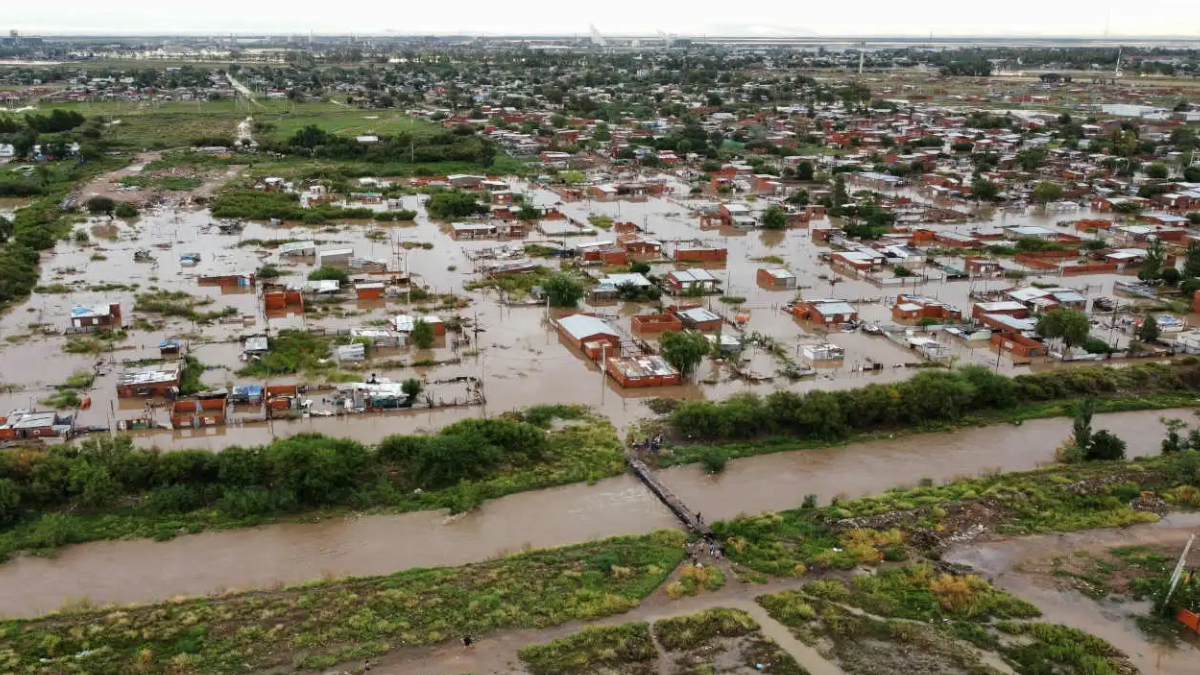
98, 317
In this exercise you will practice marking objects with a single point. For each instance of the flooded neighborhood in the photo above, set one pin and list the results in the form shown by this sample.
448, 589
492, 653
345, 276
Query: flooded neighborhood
570, 356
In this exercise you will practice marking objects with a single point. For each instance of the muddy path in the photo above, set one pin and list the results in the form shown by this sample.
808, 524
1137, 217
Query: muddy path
1004, 563
497, 653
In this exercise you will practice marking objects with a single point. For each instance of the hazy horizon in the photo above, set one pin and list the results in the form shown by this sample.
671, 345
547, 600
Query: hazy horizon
772, 18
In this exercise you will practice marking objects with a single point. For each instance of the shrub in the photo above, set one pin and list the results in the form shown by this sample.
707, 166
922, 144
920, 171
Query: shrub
100, 205
126, 210
326, 272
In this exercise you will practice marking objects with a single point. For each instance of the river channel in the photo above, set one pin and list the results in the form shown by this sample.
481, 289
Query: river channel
137, 571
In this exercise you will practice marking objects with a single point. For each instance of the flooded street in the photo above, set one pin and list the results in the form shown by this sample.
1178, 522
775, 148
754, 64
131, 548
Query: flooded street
144, 570
519, 357
1001, 563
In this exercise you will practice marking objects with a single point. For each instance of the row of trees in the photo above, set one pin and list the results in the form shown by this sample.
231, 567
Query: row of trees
312, 141
305, 471
930, 397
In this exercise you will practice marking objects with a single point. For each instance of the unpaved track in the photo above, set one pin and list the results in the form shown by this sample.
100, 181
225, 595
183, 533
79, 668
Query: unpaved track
497, 653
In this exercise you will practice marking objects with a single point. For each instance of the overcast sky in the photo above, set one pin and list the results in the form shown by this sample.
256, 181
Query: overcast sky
767, 17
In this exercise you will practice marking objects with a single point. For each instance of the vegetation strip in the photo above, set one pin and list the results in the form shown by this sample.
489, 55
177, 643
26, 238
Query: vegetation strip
107, 489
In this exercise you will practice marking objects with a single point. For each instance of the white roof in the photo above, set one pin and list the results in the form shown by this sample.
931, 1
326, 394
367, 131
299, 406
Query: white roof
581, 326
1000, 306
629, 278
296, 247
781, 273
698, 314
693, 275
859, 256
833, 306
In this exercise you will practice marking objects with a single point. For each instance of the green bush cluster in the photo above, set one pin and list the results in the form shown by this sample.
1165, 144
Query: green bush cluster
317, 626
106, 488
931, 397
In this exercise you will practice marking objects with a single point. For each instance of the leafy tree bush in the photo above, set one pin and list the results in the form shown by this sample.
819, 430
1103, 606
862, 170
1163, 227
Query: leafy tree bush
774, 218
1148, 332
563, 290
1046, 191
930, 397
10, 502
326, 272
126, 210
684, 350
455, 204
422, 334
101, 205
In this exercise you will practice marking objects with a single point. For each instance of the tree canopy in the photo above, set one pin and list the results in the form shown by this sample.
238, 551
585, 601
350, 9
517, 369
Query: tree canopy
684, 350
1068, 325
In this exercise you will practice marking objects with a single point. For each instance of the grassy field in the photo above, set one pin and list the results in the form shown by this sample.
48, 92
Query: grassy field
316, 626
344, 120
903, 523
145, 125
712, 642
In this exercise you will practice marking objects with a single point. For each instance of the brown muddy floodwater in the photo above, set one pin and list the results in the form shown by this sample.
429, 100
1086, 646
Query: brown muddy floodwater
1001, 562
780, 481
144, 571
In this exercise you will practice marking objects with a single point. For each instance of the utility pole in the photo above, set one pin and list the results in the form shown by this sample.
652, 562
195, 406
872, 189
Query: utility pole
603, 362
1178, 571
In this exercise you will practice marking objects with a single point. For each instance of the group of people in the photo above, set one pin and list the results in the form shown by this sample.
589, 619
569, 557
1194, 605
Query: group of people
696, 548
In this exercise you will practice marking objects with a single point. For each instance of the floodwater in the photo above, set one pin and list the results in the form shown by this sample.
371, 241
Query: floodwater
1001, 562
779, 481
143, 570
521, 361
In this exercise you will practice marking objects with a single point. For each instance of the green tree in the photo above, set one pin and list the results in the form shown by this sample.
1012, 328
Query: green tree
455, 204
1156, 256
563, 290
1174, 442
412, 387
326, 273
422, 334
528, 213
126, 210
1046, 191
1148, 332
984, 190
100, 204
1157, 171
1105, 446
774, 218
1191, 260
10, 502
94, 484
1071, 326
840, 196
1081, 427
1030, 159
684, 350
804, 170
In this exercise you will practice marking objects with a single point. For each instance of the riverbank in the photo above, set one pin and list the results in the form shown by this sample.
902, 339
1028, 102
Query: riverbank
108, 490
354, 544
316, 626
692, 453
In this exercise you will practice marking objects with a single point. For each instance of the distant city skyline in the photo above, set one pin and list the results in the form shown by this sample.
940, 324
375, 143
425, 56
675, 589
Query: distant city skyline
767, 18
